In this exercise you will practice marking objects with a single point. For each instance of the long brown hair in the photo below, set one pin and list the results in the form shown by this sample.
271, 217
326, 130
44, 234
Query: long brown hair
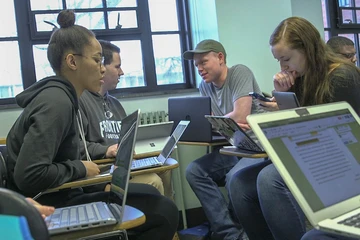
314, 86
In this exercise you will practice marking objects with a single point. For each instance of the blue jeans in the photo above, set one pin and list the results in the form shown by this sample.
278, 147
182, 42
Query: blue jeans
204, 175
244, 198
320, 235
280, 209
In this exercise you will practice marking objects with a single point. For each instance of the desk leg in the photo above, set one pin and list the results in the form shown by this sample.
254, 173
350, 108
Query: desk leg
209, 149
181, 194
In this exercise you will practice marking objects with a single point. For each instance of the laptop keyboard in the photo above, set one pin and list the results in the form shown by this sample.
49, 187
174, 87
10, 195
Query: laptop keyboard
249, 145
77, 215
145, 162
353, 221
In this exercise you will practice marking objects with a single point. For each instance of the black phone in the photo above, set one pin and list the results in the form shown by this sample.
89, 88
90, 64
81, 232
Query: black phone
259, 96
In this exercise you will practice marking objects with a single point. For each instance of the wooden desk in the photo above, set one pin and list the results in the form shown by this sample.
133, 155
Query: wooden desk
234, 151
205, 144
170, 164
132, 218
208, 145
2, 140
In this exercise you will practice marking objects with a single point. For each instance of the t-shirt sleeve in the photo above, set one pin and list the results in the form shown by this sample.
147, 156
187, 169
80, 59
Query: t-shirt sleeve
202, 89
242, 82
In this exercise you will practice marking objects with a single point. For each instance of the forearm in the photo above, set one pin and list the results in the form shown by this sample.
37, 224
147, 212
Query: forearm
238, 117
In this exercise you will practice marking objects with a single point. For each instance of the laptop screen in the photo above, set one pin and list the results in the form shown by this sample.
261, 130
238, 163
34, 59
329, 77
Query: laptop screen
124, 156
322, 154
174, 138
228, 128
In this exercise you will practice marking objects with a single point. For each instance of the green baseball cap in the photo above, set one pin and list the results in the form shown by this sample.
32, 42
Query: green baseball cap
205, 46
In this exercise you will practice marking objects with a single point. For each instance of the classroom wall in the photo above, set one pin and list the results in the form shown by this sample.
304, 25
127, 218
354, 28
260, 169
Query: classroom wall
244, 27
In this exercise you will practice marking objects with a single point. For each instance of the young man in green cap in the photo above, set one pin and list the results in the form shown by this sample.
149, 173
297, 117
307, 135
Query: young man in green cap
228, 88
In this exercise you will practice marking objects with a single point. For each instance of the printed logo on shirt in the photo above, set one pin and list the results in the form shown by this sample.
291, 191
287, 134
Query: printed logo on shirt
110, 129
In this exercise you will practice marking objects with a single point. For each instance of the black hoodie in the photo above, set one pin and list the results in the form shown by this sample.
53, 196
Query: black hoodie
43, 143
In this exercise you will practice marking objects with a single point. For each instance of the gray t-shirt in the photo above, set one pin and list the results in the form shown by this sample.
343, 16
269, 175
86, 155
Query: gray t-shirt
239, 82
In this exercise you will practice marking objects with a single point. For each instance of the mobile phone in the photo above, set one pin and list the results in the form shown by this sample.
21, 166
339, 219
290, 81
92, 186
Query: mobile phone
286, 100
259, 96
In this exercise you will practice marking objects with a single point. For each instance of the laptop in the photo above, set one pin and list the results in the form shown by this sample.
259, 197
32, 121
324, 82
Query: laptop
286, 100
166, 151
152, 137
98, 214
317, 152
193, 109
237, 137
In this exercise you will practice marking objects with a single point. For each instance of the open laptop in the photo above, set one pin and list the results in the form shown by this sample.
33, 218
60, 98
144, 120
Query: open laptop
234, 134
152, 137
317, 152
286, 100
166, 151
193, 109
98, 214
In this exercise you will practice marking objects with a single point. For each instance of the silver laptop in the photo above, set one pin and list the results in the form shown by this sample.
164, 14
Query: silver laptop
166, 151
98, 214
237, 137
317, 152
152, 137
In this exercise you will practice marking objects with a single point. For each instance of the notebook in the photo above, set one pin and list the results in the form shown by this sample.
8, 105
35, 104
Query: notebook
317, 152
193, 109
286, 100
152, 137
234, 134
166, 151
98, 214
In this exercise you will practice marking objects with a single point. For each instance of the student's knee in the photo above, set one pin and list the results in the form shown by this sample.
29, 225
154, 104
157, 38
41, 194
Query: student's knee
237, 183
150, 179
269, 178
192, 172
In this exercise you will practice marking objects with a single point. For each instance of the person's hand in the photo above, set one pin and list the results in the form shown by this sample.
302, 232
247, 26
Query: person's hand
111, 151
107, 187
268, 106
284, 80
44, 210
244, 126
92, 169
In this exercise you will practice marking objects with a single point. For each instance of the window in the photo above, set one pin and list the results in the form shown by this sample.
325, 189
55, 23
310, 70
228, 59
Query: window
151, 34
342, 18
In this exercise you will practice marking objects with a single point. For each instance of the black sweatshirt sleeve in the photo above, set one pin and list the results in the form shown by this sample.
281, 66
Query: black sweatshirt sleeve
49, 124
346, 84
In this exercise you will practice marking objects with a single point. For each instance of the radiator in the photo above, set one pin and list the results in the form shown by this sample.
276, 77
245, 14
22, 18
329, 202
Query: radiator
153, 117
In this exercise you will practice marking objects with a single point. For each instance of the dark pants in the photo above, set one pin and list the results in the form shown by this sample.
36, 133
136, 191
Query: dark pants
161, 213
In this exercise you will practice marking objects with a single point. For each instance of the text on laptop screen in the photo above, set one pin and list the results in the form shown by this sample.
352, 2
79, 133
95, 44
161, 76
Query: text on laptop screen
124, 156
322, 154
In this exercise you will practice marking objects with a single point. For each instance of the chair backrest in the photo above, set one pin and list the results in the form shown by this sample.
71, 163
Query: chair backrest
12, 203
3, 172
3, 166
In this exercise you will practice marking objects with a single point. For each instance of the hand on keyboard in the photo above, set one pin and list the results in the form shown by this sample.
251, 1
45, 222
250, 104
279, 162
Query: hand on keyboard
111, 151
92, 169
44, 210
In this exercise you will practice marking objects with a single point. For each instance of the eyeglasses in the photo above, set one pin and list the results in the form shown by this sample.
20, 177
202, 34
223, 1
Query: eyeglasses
348, 55
99, 61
